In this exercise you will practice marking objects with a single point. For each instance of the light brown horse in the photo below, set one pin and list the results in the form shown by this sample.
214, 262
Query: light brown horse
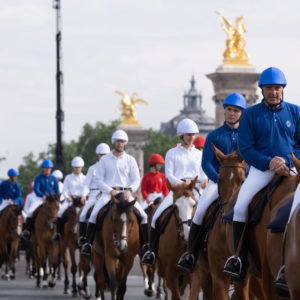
173, 241
45, 250
9, 241
292, 249
69, 242
115, 248
264, 254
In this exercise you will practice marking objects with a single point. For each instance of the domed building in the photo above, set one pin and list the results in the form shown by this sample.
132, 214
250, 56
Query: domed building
192, 109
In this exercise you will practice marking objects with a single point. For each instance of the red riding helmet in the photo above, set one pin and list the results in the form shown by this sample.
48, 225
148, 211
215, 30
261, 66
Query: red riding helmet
199, 142
30, 185
156, 159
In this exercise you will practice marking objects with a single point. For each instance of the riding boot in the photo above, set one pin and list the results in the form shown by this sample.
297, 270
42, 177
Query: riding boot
59, 228
236, 265
82, 233
188, 259
27, 230
144, 239
87, 247
150, 256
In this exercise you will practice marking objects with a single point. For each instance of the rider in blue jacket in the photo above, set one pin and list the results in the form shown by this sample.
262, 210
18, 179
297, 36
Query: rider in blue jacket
224, 138
269, 131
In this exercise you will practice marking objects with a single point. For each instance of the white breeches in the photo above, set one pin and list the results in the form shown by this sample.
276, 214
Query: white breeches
63, 207
255, 181
210, 194
152, 197
4, 204
104, 199
31, 205
93, 195
296, 201
167, 202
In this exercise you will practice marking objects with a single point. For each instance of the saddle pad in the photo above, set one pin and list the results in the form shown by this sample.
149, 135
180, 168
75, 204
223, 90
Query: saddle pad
257, 204
137, 214
165, 220
278, 224
210, 220
101, 215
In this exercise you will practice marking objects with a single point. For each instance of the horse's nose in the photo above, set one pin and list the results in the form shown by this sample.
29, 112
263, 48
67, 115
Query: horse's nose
123, 246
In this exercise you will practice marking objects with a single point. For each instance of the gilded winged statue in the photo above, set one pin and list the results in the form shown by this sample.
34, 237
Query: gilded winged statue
128, 108
235, 52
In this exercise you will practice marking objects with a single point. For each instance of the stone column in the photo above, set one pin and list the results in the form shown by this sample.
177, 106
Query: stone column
233, 79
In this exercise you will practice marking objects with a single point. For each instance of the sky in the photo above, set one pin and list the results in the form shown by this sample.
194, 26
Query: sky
149, 47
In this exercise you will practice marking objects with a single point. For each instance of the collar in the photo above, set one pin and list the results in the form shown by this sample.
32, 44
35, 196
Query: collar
179, 146
265, 106
226, 126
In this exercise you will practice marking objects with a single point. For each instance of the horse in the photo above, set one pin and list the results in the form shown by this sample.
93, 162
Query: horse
149, 272
115, 248
292, 249
44, 248
9, 239
69, 242
174, 239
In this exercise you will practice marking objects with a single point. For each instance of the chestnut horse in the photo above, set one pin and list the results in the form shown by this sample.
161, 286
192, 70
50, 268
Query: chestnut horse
292, 249
44, 248
69, 242
173, 241
9, 241
115, 248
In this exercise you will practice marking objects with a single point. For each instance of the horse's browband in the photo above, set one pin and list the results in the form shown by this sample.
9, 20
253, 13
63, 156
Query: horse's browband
232, 166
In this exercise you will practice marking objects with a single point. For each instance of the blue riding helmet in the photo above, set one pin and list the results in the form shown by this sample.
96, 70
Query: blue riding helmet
235, 99
12, 172
47, 163
272, 76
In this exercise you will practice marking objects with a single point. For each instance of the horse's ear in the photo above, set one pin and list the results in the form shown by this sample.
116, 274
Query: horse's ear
219, 154
244, 164
171, 186
193, 183
296, 162
47, 194
115, 200
133, 202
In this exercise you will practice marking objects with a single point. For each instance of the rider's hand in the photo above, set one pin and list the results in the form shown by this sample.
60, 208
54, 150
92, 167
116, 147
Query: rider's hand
69, 200
282, 170
83, 199
204, 184
276, 163
126, 194
148, 200
113, 192
44, 198
11, 202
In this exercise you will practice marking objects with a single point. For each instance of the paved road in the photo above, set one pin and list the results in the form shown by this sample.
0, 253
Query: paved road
23, 288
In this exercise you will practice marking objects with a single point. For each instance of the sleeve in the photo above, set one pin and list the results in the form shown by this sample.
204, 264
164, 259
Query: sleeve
208, 157
169, 168
100, 173
165, 188
202, 176
296, 149
1, 193
37, 187
86, 189
144, 187
89, 176
134, 175
246, 144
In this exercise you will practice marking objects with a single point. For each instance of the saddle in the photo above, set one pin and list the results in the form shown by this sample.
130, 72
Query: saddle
257, 204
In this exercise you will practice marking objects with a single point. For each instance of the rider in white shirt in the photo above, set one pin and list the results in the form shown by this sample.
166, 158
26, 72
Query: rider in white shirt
74, 185
91, 181
117, 172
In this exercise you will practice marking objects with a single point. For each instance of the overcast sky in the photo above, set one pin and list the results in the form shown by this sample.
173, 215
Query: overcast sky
149, 47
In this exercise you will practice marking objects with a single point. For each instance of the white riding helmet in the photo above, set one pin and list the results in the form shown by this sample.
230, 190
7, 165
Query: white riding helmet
58, 174
77, 162
187, 126
102, 149
119, 135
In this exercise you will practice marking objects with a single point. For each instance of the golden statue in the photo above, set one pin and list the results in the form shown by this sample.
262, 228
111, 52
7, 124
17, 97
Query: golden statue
128, 108
235, 54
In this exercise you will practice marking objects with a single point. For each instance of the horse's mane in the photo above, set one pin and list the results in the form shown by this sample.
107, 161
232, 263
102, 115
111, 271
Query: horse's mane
52, 197
122, 205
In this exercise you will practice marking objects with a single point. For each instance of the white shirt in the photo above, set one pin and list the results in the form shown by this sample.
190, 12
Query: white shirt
184, 163
90, 179
119, 171
75, 185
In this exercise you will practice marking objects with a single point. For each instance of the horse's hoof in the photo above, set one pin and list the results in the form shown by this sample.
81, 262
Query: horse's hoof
149, 293
51, 284
75, 294
159, 296
67, 291
12, 277
86, 294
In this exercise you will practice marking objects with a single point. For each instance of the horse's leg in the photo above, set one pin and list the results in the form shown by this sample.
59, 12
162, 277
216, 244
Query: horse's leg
53, 263
84, 267
159, 287
40, 271
99, 285
65, 265
111, 267
45, 275
73, 271
220, 284
122, 289
172, 284
148, 274
268, 283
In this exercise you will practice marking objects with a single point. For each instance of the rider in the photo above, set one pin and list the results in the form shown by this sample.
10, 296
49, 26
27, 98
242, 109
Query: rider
74, 185
225, 139
91, 182
183, 163
199, 142
10, 191
43, 183
269, 131
59, 176
117, 172
154, 184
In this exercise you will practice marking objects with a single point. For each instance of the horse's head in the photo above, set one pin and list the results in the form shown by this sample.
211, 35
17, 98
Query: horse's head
77, 201
52, 204
17, 210
123, 219
184, 202
153, 205
232, 172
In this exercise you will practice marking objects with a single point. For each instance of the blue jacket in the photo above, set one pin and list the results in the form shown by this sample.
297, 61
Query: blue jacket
11, 191
265, 133
225, 139
43, 185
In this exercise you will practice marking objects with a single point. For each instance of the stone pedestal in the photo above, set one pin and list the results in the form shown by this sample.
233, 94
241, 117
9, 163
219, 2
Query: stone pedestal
233, 79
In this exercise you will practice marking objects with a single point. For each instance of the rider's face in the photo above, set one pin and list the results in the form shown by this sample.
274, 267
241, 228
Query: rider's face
47, 171
272, 94
119, 145
232, 115
189, 138
158, 166
77, 170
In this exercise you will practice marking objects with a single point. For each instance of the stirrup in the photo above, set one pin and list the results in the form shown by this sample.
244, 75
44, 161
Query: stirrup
148, 259
56, 236
25, 235
81, 241
233, 261
86, 250
280, 282
145, 248
186, 262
